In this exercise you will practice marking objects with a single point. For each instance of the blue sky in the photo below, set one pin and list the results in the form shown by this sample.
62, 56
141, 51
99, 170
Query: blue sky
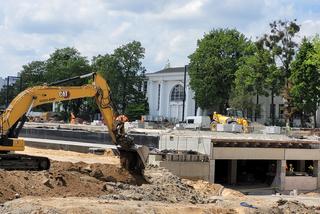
168, 29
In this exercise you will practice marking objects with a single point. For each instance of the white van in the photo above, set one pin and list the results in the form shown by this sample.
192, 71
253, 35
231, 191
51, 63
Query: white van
197, 122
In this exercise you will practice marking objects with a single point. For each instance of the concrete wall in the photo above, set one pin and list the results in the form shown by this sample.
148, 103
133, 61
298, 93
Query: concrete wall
302, 154
194, 143
206, 170
66, 147
190, 170
233, 153
85, 136
236, 153
300, 183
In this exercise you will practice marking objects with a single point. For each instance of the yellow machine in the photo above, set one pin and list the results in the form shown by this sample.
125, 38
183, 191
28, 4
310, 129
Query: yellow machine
13, 118
233, 116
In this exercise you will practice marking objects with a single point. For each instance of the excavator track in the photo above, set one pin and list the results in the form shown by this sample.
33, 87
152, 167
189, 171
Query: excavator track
23, 162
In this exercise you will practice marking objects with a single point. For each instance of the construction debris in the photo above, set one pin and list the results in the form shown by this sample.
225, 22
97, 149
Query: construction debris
285, 206
162, 186
66, 179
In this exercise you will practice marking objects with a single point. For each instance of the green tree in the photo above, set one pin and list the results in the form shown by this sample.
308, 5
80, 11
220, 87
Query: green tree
65, 63
213, 65
30, 75
305, 79
11, 93
280, 42
33, 74
125, 74
109, 67
252, 78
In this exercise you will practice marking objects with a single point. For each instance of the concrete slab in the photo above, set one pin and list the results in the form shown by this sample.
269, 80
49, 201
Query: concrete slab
302, 154
65, 145
231, 153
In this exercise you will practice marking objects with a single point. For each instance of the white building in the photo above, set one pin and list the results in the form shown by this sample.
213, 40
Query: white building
165, 90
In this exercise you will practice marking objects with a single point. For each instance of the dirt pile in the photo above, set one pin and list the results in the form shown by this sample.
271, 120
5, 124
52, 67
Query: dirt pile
163, 186
285, 206
210, 189
64, 179
315, 193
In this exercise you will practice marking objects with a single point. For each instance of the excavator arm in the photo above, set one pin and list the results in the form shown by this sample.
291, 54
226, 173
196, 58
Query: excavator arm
11, 121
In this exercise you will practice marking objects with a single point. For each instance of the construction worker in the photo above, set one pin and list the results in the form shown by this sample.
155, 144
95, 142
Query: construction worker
122, 118
310, 170
72, 118
119, 124
291, 169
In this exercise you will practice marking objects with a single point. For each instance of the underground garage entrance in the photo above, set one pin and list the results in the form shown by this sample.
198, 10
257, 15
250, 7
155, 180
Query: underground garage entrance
255, 173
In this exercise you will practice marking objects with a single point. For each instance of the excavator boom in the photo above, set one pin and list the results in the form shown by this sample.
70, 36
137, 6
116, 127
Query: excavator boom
13, 118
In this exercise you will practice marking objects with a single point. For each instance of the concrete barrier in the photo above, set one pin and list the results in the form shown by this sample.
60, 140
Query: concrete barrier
85, 136
65, 145
183, 143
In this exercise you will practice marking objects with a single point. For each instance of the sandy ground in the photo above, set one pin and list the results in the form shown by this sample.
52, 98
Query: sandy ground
57, 205
88, 183
69, 156
96, 206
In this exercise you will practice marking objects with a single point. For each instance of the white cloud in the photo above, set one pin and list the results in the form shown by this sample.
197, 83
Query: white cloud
31, 30
121, 29
310, 28
180, 11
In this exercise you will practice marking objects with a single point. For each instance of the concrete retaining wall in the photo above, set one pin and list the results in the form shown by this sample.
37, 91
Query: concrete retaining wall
300, 183
190, 170
65, 134
85, 136
66, 145
237, 153
44, 145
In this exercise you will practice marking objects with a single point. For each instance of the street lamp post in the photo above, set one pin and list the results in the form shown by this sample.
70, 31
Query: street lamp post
14, 78
184, 91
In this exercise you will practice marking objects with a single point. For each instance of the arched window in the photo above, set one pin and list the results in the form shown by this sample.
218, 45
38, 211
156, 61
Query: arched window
177, 93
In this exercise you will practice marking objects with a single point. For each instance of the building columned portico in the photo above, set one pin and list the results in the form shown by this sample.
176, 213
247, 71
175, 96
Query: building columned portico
165, 92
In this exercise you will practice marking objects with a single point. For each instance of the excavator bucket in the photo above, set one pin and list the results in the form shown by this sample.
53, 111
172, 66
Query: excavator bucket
135, 158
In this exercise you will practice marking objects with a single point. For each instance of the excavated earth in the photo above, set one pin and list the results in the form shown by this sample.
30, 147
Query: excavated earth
66, 179
106, 188
161, 185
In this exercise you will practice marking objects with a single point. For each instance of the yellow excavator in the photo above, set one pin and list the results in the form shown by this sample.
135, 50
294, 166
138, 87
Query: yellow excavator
12, 119
233, 116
